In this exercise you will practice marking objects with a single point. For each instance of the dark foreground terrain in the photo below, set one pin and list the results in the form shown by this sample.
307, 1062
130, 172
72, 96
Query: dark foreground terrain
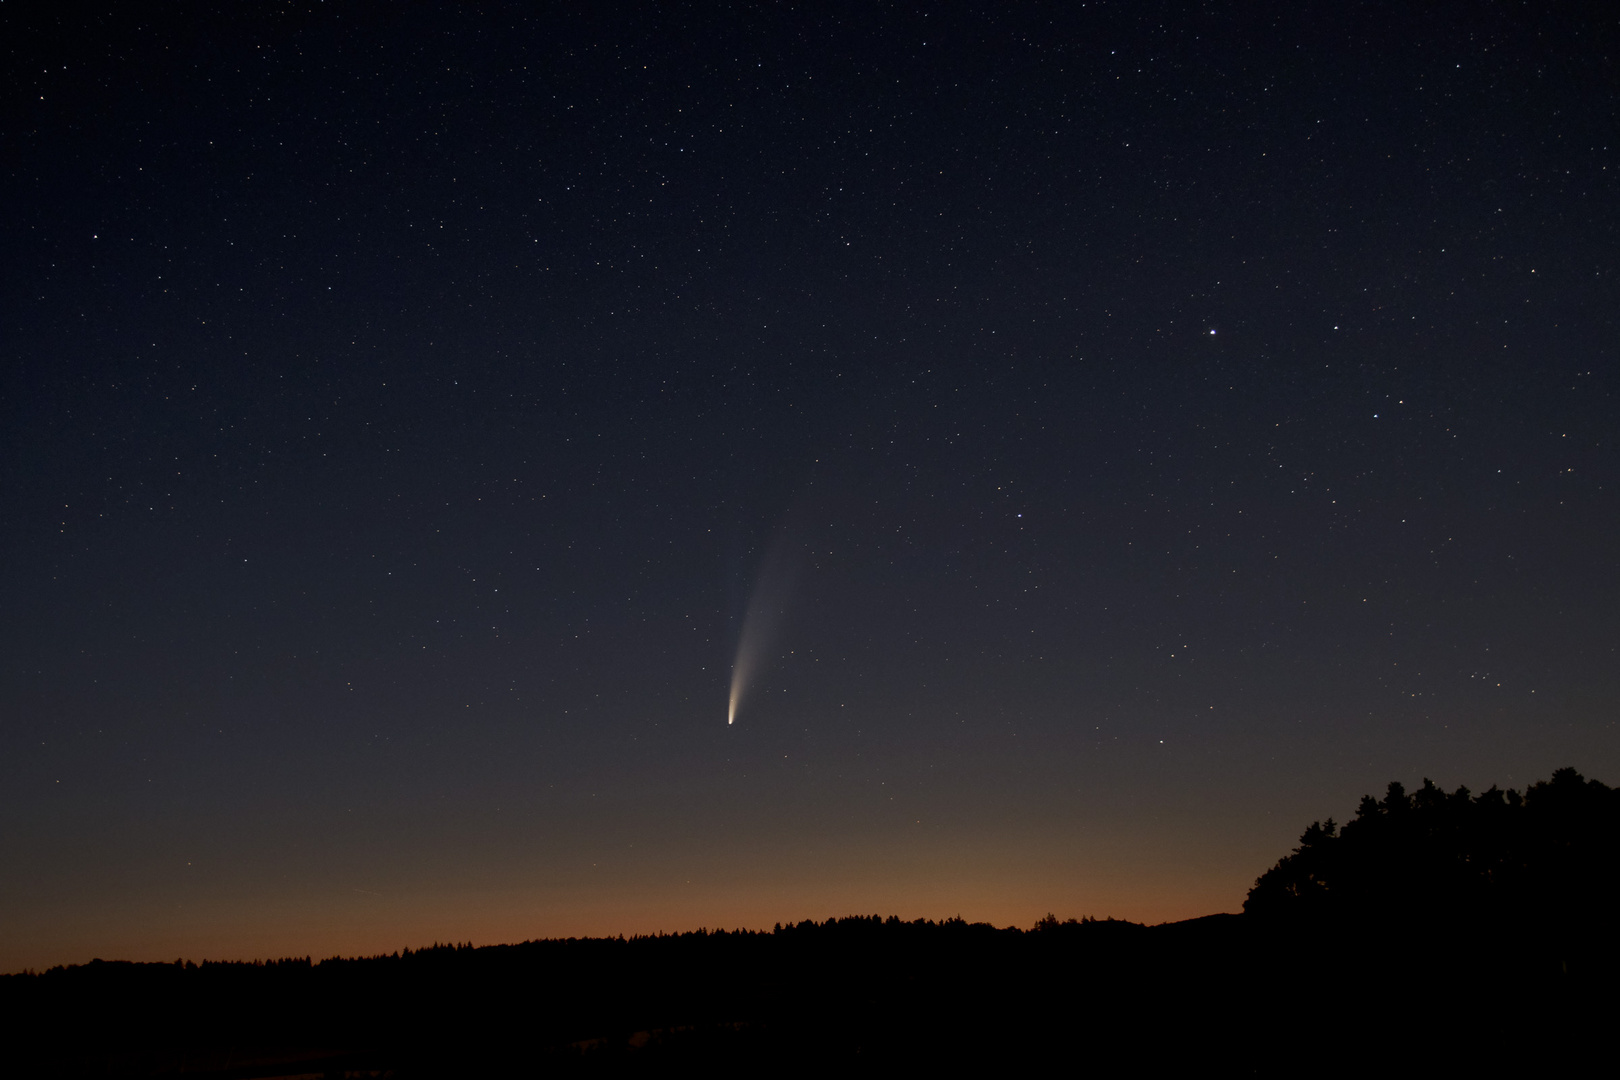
1437, 930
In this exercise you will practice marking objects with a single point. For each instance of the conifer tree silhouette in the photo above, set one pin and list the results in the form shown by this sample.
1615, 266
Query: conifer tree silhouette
1551, 853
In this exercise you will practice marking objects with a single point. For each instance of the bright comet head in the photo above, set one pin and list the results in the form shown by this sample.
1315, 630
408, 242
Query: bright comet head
761, 620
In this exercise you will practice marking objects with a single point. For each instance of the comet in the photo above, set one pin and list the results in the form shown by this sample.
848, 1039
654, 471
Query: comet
762, 620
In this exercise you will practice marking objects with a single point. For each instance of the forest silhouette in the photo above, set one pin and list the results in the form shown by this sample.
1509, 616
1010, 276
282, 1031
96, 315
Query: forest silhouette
1546, 856
1435, 929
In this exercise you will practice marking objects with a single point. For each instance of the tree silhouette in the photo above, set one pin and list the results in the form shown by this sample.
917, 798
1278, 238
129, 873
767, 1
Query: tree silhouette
1552, 853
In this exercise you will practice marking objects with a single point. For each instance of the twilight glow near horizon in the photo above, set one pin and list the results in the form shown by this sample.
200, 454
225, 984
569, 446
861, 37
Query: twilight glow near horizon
416, 420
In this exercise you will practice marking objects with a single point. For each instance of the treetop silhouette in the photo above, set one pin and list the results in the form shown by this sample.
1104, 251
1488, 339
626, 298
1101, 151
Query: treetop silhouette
1552, 853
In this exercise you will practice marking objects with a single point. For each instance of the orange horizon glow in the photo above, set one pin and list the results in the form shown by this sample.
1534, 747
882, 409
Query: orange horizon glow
365, 924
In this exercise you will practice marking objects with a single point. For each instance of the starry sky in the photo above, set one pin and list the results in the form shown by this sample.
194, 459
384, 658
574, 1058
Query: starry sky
1138, 429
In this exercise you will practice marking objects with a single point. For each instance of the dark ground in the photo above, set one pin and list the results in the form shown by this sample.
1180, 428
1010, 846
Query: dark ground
1228, 992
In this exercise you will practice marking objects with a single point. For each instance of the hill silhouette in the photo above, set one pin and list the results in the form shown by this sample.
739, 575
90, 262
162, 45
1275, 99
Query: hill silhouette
1436, 929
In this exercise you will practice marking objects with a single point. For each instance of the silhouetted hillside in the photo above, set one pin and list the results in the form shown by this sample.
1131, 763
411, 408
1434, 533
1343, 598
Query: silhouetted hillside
1348, 959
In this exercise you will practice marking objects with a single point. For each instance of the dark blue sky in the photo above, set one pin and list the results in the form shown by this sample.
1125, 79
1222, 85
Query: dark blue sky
1184, 421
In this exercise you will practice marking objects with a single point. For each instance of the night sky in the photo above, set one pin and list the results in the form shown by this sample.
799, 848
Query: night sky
1137, 431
